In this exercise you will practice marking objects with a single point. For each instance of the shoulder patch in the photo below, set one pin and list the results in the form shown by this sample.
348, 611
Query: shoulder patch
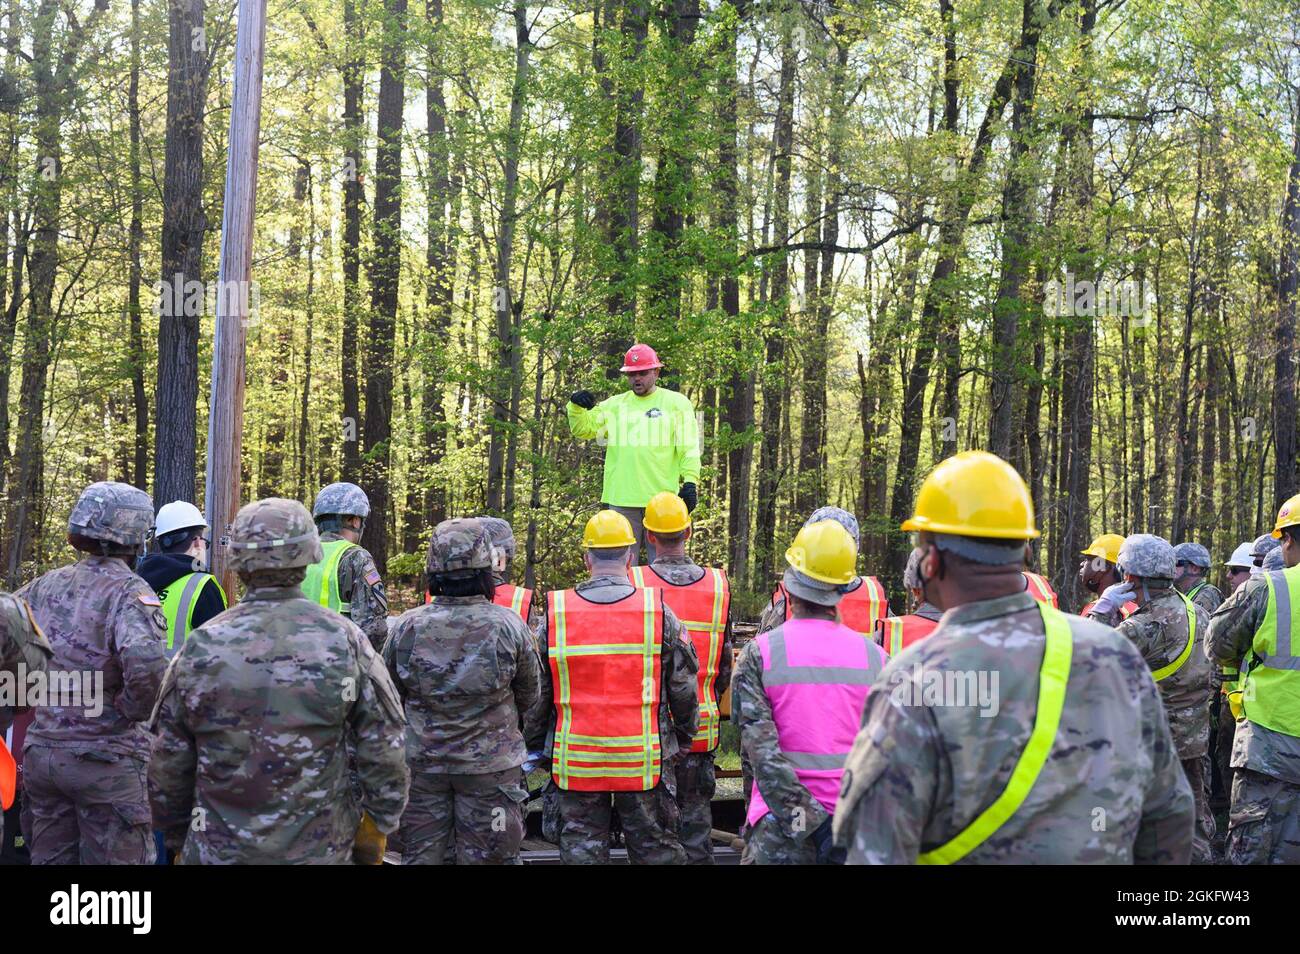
148, 599
373, 576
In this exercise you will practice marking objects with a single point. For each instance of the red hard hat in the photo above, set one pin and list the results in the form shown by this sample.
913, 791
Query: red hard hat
640, 357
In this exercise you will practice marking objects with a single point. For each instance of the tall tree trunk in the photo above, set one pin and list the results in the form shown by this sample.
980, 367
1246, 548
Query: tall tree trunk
385, 275
507, 370
1016, 215
309, 307
1284, 369
183, 228
135, 240
354, 77
740, 390
441, 272
774, 372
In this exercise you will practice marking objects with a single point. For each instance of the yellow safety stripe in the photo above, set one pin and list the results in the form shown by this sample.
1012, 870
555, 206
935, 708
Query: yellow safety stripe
1164, 672
517, 601
895, 626
562, 735
1052, 680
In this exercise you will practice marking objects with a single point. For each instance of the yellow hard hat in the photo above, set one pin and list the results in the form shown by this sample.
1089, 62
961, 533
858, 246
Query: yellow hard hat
824, 551
666, 513
607, 528
975, 494
1105, 546
1287, 516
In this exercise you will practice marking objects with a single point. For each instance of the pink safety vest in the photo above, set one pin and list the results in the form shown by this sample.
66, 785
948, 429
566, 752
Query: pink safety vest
817, 674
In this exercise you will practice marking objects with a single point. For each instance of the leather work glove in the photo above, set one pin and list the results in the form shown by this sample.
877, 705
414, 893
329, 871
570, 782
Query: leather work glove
1113, 597
369, 844
689, 496
827, 853
583, 399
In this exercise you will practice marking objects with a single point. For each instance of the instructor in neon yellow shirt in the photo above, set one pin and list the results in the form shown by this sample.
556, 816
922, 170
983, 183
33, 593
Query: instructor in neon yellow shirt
651, 440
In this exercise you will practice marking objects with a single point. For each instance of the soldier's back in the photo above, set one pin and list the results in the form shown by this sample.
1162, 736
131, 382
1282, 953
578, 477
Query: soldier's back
84, 610
968, 697
455, 661
266, 688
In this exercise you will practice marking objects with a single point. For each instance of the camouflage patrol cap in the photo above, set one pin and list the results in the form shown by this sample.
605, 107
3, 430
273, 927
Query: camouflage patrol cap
1263, 544
341, 498
1147, 556
840, 516
814, 591
912, 572
1273, 561
462, 544
501, 534
114, 513
1192, 553
273, 534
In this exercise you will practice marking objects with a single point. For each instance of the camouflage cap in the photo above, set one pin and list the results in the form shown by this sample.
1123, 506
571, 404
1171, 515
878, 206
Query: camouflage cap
1192, 553
113, 512
807, 588
273, 534
840, 516
1263, 544
912, 572
1273, 561
459, 544
1147, 556
342, 498
501, 534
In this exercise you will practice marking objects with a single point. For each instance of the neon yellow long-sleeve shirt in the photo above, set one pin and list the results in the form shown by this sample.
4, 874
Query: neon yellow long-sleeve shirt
652, 443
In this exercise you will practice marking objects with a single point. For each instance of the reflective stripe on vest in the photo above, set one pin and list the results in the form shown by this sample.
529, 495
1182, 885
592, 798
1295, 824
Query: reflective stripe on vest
702, 607
606, 671
860, 609
1164, 672
1271, 674
1052, 680
1197, 588
1040, 589
903, 631
817, 675
321, 585
8, 777
513, 597
178, 607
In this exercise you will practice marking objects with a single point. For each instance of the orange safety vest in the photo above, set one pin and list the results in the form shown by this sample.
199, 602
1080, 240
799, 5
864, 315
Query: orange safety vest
902, 631
508, 595
859, 610
606, 664
8, 777
702, 607
1125, 611
1040, 589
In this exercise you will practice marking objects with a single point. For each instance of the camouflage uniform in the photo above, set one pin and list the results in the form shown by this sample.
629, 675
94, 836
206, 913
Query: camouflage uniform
650, 819
1264, 821
1110, 792
695, 773
360, 586
251, 762
467, 670
84, 798
1158, 628
23, 650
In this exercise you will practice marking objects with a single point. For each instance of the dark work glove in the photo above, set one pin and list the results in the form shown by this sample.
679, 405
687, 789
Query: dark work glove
689, 496
583, 399
827, 853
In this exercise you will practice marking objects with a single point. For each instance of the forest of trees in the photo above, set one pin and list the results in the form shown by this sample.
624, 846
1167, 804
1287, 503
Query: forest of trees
862, 237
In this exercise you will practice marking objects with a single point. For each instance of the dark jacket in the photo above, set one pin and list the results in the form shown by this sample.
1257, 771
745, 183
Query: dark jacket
160, 570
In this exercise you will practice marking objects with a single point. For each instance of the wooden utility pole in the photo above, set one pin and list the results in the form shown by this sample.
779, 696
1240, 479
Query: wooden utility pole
236, 296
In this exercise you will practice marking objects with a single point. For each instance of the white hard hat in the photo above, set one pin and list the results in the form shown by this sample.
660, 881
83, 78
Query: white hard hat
177, 515
1241, 557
